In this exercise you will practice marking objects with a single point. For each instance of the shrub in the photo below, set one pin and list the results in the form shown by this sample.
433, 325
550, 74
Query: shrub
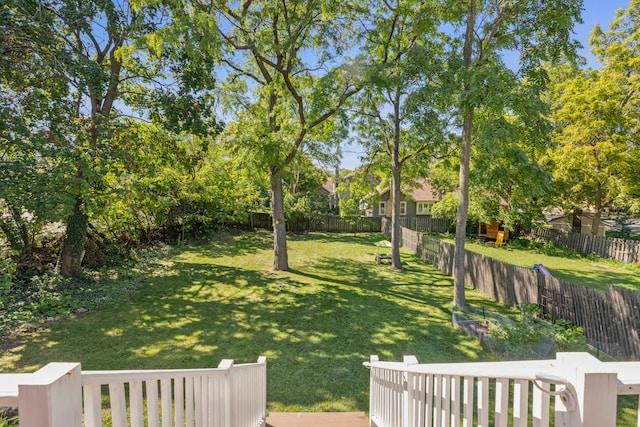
533, 336
48, 295
8, 417
7, 271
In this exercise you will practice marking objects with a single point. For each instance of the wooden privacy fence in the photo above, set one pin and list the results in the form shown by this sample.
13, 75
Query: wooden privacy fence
622, 250
323, 223
610, 319
430, 225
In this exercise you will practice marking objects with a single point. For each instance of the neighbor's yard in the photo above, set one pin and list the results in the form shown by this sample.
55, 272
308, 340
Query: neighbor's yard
316, 323
587, 271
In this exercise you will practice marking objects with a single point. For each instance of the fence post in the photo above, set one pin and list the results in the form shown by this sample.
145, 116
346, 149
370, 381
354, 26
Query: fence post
593, 394
227, 364
408, 414
263, 388
52, 397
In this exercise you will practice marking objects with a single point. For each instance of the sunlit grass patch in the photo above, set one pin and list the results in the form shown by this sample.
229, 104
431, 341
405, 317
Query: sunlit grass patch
316, 323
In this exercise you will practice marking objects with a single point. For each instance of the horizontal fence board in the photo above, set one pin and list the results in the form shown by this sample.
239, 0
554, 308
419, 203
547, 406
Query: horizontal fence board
622, 250
321, 223
611, 319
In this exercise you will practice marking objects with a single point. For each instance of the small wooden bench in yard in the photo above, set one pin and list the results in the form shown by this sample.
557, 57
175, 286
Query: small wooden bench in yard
381, 257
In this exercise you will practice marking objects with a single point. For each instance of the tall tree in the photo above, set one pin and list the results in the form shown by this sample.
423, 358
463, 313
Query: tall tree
537, 31
401, 114
95, 33
33, 112
85, 47
595, 159
109, 57
591, 152
618, 50
288, 77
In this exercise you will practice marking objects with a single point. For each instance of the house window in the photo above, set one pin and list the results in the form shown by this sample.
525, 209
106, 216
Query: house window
403, 208
424, 208
383, 208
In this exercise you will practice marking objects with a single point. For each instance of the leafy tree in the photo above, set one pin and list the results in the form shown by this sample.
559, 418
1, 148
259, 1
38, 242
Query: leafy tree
595, 159
509, 183
302, 199
32, 114
286, 80
618, 51
350, 211
169, 184
592, 152
537, 31
361, 187
402, 113
106, 60
85, 47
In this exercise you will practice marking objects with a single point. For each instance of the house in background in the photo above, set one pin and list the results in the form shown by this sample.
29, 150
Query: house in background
414, 202
577, 222
328, 190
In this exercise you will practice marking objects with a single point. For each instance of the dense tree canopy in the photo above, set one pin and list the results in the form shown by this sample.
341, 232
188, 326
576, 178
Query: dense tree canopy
127, 122
595, 157
287, 79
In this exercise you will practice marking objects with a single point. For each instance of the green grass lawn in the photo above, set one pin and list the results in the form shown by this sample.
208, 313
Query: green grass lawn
587, 271
316, 323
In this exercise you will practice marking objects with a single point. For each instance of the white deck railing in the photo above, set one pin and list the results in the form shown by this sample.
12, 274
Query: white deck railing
574, 390
61, 395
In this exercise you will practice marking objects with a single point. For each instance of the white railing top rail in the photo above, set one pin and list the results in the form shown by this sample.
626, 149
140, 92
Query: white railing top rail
549, 371
9, 382
628, 376
107, 376
517, 370
229, 395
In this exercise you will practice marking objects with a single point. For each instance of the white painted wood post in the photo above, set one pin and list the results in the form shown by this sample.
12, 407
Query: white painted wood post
227, 364
594, 392
408, 417
263, 381
373, 392
52, 397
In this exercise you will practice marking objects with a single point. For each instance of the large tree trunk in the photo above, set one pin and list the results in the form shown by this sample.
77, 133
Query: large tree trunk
459, 298
22, 228
280, 256
73, 248
15, 230
396, 232
396, 167
597, 215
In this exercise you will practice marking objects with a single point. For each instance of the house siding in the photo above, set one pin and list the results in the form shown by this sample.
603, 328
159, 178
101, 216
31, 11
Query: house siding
411, 206
565, 223
421, 194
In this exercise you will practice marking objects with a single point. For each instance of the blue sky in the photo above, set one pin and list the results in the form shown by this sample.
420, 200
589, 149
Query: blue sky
594, 12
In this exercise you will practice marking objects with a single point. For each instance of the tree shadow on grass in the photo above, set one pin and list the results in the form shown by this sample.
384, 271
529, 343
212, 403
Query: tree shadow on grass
237, 244
331, 238
232, 244
316, 325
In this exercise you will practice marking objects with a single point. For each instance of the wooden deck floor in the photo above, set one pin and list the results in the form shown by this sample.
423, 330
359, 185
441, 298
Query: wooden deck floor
316, 419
